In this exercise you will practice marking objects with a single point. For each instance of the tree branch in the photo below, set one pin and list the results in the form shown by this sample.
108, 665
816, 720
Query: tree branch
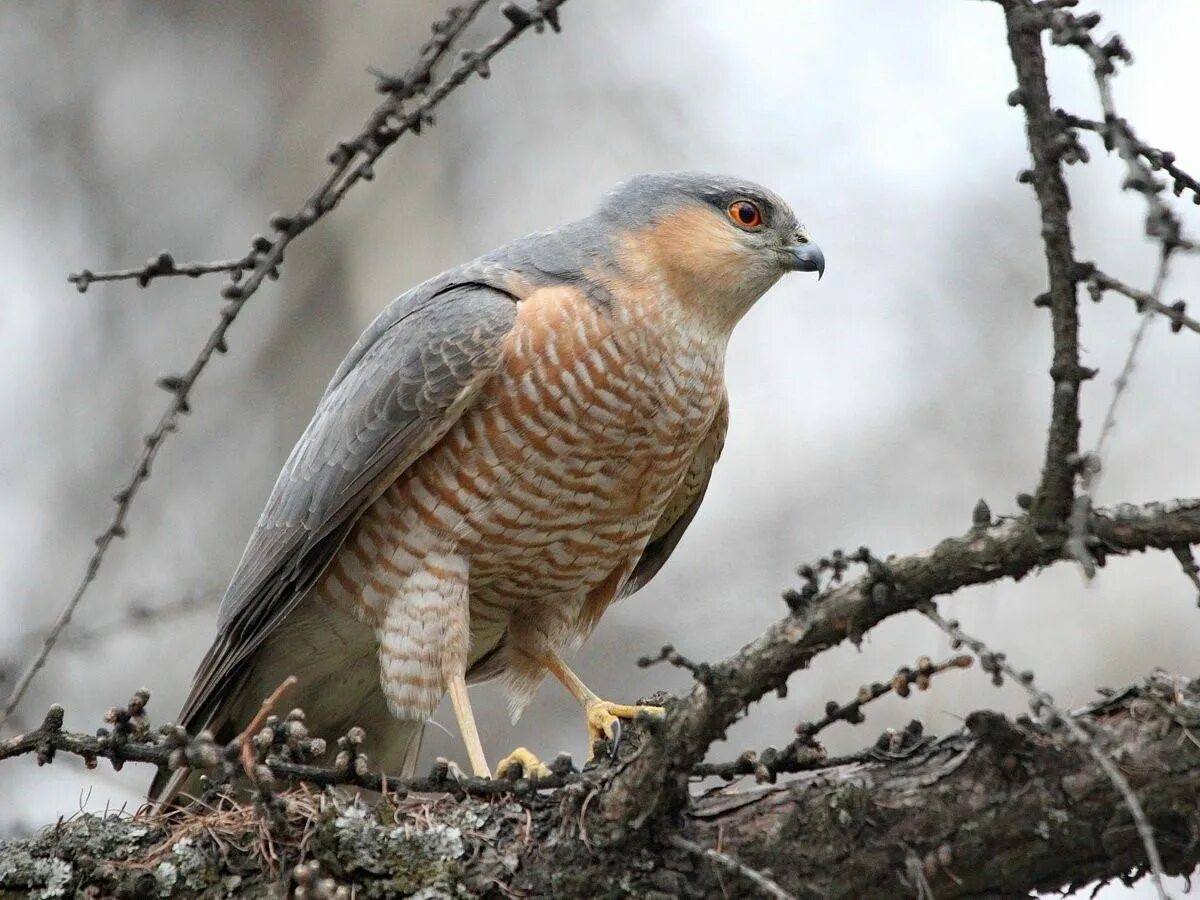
163, 265
1043, 706
1098, 282
996, 809
1024, 23
654, 783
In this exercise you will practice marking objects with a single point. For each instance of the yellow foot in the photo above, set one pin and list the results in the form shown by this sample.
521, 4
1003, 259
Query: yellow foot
603, 716
523, 764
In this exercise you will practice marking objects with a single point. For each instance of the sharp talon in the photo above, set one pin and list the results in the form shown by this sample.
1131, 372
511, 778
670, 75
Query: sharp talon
604, 720
615, 743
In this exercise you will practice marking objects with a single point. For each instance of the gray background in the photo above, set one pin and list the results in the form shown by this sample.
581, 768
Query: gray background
874, 408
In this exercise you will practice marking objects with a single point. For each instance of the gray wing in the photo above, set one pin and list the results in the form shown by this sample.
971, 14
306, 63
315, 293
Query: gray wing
684, 503
401, 388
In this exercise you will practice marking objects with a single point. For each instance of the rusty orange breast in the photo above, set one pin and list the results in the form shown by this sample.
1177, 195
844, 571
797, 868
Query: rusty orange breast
560, 471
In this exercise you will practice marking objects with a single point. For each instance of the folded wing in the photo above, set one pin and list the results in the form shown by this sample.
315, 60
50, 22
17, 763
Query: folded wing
398, 392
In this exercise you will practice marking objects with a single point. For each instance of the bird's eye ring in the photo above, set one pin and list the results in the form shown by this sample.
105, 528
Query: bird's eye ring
745, 214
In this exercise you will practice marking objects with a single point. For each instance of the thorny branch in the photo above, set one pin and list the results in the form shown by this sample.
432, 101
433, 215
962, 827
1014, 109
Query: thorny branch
408, 108
1044, 707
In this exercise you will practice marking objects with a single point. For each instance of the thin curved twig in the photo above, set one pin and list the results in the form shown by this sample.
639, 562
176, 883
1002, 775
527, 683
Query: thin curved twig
1091, 468
755, 877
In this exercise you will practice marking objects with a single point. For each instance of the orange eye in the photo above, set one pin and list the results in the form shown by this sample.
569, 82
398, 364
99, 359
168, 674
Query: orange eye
745, 214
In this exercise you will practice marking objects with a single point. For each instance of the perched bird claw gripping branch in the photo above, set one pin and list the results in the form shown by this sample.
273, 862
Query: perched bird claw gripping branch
508, 449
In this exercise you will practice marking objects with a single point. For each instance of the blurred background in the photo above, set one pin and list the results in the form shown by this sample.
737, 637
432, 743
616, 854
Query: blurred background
874, 408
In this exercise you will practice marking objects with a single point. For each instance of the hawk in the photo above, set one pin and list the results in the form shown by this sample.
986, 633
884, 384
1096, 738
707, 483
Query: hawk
508, 449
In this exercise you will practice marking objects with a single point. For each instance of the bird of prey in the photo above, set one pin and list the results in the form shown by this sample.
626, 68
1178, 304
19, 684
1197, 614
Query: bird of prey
509, 448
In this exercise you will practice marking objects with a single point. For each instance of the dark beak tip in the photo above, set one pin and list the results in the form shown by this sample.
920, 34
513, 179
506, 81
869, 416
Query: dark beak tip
809, 258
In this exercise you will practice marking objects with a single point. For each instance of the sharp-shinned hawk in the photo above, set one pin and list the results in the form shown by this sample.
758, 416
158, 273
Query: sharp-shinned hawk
508, 449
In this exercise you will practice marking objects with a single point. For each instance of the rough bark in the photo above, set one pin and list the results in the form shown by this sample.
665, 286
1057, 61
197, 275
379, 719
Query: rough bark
997, 809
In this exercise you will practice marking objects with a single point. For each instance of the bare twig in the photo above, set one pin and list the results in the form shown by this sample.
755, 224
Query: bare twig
1098, 282
140, 616
135, 617
246, 738
1052, 503
351, 162
1158, 159
1187, 562
1067, 28
805, 754
1043, 706
901, 683
1091, 467
768, 887
164, 266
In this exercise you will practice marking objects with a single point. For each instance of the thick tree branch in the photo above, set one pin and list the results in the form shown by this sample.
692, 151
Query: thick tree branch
996, 809
1048, 712
999, 809
654, 783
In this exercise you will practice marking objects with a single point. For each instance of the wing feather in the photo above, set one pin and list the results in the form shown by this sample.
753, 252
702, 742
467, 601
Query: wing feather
401, 388
682, 506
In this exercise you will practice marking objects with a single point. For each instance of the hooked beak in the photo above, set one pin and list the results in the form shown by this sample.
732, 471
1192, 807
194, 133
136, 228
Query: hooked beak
805, 257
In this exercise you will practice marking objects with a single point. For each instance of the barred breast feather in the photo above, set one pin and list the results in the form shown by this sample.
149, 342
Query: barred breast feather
555, 479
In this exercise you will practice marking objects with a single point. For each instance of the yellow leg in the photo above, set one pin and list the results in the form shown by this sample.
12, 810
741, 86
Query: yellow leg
530, 765
466, 725
601, 715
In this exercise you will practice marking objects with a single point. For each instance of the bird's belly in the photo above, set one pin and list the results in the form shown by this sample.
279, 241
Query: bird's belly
545, 514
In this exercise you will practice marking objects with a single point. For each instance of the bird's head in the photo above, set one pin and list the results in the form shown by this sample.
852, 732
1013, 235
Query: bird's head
719, 243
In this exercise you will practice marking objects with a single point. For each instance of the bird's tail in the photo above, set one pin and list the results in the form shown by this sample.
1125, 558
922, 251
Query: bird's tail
334, 659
